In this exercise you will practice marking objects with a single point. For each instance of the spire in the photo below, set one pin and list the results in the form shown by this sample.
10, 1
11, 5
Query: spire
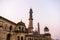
30, 16
21, 20
38, 28
30, 10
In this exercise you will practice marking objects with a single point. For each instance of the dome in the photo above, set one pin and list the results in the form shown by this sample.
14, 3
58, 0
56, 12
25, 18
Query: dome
21, 23
46, 29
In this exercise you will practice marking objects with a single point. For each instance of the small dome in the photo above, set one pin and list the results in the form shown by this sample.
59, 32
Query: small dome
46, 29
21, 23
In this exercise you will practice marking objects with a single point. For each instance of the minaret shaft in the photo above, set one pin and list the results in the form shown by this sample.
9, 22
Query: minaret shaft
38, 28
31, 24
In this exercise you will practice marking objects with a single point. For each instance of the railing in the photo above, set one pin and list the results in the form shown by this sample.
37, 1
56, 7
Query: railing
19, 31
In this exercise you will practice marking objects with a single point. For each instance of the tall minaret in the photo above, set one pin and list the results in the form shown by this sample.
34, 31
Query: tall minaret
38, 28
30, 20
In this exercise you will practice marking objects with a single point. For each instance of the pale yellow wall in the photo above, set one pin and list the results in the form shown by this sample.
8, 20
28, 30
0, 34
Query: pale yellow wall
6, 23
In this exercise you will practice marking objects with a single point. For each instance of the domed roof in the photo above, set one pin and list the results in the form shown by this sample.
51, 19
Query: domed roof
21, 23
46, 29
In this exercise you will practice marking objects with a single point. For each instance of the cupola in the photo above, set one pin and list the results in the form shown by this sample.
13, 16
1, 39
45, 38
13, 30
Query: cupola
21, 23
46, 29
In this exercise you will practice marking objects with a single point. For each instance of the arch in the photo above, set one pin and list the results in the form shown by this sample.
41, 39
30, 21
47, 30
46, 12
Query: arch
18, 38
10, 27
8, 37
22, 28
21, 38
19, 28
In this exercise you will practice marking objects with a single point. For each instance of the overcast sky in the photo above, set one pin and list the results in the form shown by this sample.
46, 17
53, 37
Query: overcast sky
46, 12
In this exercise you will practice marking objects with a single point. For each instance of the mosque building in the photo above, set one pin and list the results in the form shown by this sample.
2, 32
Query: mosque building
18, 31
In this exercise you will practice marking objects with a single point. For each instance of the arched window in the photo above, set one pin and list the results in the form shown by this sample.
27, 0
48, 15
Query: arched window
8, 36
1, 24
21, 38
18, 38
19, 28
10, 27
22, 28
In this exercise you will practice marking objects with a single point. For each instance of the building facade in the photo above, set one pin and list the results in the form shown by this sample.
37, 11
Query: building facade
18, 31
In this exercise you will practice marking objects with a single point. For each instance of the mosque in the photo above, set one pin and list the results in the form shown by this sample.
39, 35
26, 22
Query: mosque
18, 31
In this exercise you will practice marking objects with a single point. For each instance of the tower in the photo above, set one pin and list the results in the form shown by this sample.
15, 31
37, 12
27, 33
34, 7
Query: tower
47, 34
38, 28
30, 27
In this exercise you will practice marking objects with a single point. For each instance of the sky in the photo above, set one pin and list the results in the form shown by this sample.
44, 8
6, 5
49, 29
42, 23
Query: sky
46, 12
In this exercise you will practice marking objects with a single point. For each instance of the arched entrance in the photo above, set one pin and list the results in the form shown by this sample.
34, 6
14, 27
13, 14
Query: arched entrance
8, 37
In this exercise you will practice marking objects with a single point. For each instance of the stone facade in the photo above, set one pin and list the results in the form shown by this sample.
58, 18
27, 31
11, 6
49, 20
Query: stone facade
18, 31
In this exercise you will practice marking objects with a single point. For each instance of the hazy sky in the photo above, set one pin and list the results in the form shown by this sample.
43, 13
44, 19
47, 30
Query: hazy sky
46, 12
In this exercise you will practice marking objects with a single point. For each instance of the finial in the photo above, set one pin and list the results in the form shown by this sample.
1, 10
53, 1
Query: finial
38, 22
21, 20
31, 10
30, 7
